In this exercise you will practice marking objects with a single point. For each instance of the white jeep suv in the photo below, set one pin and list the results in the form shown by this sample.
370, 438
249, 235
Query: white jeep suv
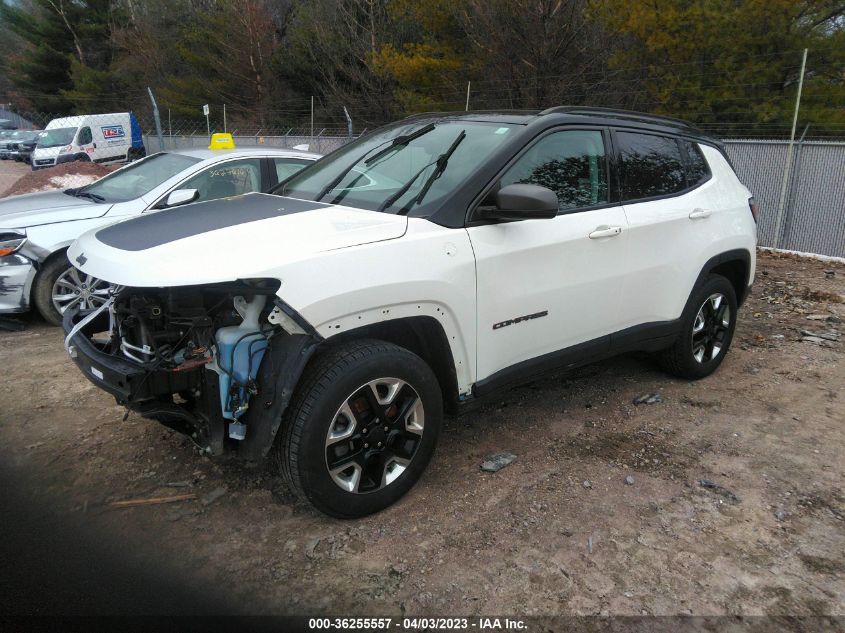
425, 265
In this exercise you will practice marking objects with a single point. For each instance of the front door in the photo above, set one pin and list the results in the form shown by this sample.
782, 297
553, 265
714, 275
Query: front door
548, 285
86, 143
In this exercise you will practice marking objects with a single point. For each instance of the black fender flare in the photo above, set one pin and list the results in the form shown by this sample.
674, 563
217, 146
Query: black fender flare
281, 368
737, 254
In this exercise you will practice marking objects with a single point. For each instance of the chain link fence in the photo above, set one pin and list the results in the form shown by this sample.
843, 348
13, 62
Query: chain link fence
813, 207
323, 141
73, 151
77, 150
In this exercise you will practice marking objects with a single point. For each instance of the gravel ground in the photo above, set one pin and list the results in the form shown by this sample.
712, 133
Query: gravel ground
602, 512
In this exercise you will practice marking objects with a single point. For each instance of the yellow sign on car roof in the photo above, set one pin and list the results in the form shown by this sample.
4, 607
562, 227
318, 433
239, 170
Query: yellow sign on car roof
221, 141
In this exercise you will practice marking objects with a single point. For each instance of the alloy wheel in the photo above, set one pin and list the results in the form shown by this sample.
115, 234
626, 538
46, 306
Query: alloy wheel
710, 328
374, 435
73, 288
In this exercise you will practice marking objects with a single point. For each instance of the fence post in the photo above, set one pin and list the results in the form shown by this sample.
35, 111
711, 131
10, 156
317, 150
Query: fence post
157, 120
788, 165
348, 123
793, 185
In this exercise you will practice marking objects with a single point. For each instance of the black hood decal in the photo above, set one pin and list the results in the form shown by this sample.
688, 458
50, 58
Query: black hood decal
162, 227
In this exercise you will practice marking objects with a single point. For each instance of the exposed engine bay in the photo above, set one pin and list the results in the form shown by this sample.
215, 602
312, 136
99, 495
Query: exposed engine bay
192, 357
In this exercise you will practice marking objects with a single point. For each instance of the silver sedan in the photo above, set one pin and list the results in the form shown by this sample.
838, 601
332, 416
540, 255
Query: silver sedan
37, 228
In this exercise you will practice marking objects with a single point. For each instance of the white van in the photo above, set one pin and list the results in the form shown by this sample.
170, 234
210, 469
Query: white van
99, 138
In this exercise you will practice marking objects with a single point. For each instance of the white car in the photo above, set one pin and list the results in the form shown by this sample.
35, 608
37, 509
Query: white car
423, 266
37, 228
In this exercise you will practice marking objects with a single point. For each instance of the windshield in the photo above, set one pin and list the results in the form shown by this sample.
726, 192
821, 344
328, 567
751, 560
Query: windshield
137, 179
403, 178
23, 135
56, 137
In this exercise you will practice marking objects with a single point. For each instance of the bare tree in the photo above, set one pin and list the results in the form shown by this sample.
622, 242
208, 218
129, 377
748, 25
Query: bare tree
543, 56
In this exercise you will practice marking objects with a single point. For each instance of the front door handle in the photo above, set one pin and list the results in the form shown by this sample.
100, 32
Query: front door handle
605, 231
699, 213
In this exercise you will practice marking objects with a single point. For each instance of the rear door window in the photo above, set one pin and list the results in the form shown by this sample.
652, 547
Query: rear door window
287, 167
650, 165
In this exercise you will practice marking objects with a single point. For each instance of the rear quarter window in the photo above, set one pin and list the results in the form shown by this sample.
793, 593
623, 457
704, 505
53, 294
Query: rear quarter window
650, 165
698, 171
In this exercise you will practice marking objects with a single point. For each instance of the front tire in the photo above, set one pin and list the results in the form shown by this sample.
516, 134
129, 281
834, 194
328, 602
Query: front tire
707, 329
361, 429
60, 286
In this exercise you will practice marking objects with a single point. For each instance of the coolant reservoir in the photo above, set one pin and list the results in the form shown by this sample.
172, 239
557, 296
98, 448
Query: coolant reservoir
240, 349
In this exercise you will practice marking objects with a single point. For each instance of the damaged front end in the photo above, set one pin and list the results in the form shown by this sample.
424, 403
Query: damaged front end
217, 362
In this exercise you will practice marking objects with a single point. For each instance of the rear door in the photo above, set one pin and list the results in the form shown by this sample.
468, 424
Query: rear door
548, 285
665, 187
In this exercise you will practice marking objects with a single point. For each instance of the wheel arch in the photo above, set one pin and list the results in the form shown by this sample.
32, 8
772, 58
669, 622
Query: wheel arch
288, 356
733, 265
43, 263
422, 335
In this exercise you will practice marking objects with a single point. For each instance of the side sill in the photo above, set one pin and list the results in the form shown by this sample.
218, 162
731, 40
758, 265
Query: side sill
647, 337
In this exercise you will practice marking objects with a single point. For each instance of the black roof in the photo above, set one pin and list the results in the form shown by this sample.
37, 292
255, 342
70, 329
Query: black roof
575, 114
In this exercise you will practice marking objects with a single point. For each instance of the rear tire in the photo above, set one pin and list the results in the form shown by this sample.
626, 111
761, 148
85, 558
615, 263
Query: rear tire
135, 153
361, 429
707, 329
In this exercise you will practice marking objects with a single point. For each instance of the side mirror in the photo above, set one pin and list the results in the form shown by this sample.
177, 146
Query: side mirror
523, 202
180, 197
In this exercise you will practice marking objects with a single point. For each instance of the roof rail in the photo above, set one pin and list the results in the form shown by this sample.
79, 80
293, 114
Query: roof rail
506, 111
622, 114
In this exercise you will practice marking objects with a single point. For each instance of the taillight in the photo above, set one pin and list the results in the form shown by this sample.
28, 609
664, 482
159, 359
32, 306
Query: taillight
752, 204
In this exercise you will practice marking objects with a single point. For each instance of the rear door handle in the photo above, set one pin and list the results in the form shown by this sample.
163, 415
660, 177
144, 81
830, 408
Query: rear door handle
605, 231
699, 213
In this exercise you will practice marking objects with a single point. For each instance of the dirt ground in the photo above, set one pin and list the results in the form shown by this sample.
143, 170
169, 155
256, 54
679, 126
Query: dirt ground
559, 531
10, 172
19, 177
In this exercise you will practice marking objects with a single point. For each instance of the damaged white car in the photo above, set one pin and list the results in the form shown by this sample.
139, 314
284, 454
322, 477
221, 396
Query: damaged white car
423, 266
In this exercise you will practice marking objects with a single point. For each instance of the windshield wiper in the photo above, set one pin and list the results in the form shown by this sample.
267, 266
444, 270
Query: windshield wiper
400, 141
86, 194
441, 163
396, 142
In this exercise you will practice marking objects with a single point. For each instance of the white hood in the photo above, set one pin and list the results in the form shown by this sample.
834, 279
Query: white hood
243, 237
47, 207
